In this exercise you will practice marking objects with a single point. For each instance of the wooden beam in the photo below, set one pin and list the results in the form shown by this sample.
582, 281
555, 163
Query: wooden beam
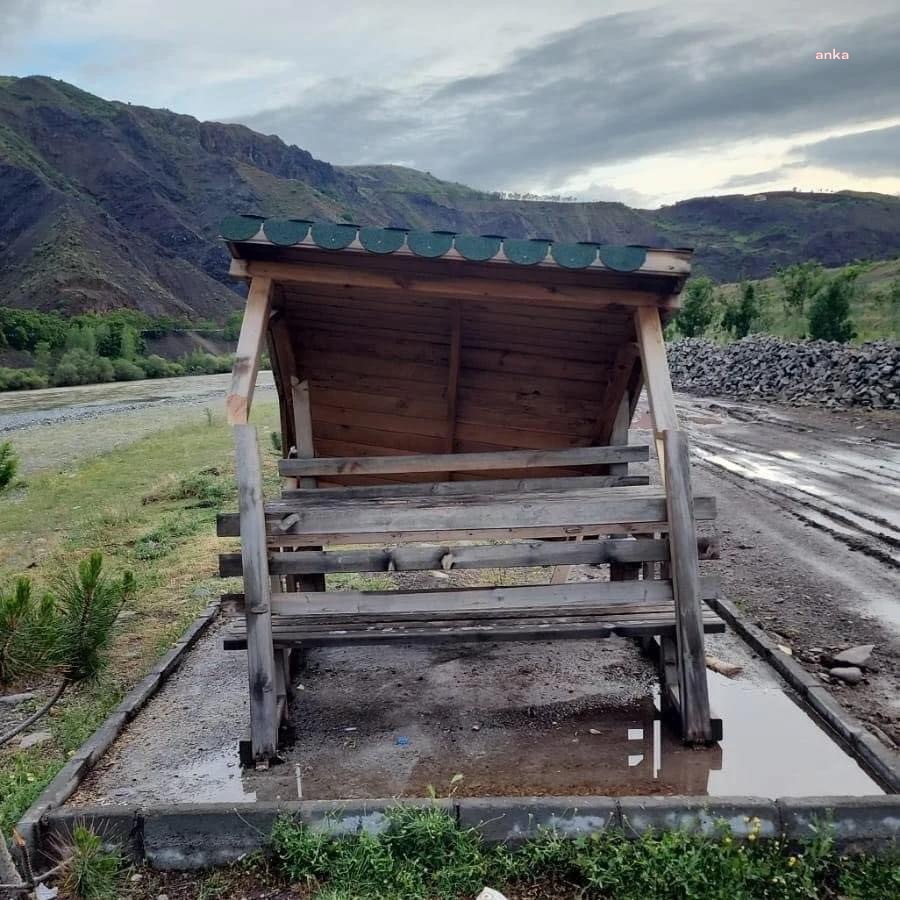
462, 462
303, 429
658, 261
590, 594
415, 285
257, 590
693, 688
449, 488
446, 557
657, 380
249, 349
581, 513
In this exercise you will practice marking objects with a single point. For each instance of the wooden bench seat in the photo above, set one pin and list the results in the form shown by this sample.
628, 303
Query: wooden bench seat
645, 620
583, 609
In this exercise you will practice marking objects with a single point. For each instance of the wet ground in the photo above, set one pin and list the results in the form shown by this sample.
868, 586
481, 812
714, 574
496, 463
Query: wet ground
542, 718
809, 520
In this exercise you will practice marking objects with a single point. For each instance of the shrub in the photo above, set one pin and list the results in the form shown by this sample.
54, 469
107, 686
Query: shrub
197, 362
9, 465
92, 872
26, 632
79, 366
155, 366
88, 603
21, 379
829, 315
739, 317
697, 309
126, 370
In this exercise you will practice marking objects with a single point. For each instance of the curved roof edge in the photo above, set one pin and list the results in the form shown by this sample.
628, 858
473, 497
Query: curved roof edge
252, 229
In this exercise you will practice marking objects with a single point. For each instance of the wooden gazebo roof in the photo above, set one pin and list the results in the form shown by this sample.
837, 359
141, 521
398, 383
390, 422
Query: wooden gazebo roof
426, 342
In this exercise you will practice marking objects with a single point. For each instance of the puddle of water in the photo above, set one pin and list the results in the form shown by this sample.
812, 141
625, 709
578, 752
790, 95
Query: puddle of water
212, 777
771, 749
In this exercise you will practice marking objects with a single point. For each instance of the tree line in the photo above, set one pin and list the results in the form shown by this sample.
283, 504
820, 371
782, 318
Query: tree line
100, 347
815, 303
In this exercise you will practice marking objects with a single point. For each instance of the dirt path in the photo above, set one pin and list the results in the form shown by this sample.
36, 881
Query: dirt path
809, 515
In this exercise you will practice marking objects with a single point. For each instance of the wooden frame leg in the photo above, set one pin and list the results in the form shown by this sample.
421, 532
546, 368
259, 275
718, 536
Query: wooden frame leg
260, 649
693, 688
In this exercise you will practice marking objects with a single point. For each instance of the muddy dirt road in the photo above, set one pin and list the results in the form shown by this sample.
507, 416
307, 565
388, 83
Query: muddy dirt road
809, 515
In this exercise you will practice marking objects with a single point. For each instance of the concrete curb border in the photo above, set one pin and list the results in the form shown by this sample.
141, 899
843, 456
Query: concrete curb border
194, 836
73, 772
881, 762
186, 836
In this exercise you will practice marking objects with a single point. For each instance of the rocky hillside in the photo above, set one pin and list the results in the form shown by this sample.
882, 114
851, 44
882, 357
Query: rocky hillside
105, 205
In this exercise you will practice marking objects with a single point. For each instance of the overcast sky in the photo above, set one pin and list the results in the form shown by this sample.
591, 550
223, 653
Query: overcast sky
642, 102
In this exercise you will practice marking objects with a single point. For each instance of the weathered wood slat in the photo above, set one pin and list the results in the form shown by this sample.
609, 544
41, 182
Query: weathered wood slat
462, 462
261, 656
481, 631
249, 348
655, 368
454, 513
620, 611
433, 603
491, 290
449, 488
423, 558
694, 691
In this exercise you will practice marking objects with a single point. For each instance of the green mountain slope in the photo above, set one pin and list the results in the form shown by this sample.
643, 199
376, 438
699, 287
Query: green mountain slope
105, 205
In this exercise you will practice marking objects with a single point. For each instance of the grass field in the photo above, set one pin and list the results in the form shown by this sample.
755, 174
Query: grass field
149, 507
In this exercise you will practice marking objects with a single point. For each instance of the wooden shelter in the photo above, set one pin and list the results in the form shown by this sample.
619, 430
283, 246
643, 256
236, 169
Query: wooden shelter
460, 402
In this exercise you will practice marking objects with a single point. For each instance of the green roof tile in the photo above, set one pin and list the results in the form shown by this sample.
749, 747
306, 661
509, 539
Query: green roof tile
574, 256
433, 244
333, 237
430, 243
285, 232
382, 240
240, 228
622, 259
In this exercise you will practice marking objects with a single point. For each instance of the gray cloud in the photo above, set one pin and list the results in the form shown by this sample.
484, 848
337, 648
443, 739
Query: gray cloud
613, 89
875, 152
15, 15
760, 178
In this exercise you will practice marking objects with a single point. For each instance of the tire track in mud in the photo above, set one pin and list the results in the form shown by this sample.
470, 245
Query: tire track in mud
804, 489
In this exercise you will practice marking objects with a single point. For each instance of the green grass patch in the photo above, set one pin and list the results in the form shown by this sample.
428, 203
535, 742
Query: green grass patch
423, 853
167, 541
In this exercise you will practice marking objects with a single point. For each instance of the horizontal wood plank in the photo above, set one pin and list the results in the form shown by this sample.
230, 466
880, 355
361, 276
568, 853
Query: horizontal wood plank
591, 594
446, 557
462, 462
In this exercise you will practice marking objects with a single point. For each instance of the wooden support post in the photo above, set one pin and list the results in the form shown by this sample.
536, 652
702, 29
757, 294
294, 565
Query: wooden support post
693, 688
254, 559
303, 436
249, 349
560, 574
619, 434
652, 346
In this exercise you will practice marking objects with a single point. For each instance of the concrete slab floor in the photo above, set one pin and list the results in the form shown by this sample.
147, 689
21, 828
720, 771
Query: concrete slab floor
542, 718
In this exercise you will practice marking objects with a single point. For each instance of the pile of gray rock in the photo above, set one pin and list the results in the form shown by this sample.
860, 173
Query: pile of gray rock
762, 367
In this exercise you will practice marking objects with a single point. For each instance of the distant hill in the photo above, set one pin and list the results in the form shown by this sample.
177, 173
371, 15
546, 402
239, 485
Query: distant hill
105, 205
750, 236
